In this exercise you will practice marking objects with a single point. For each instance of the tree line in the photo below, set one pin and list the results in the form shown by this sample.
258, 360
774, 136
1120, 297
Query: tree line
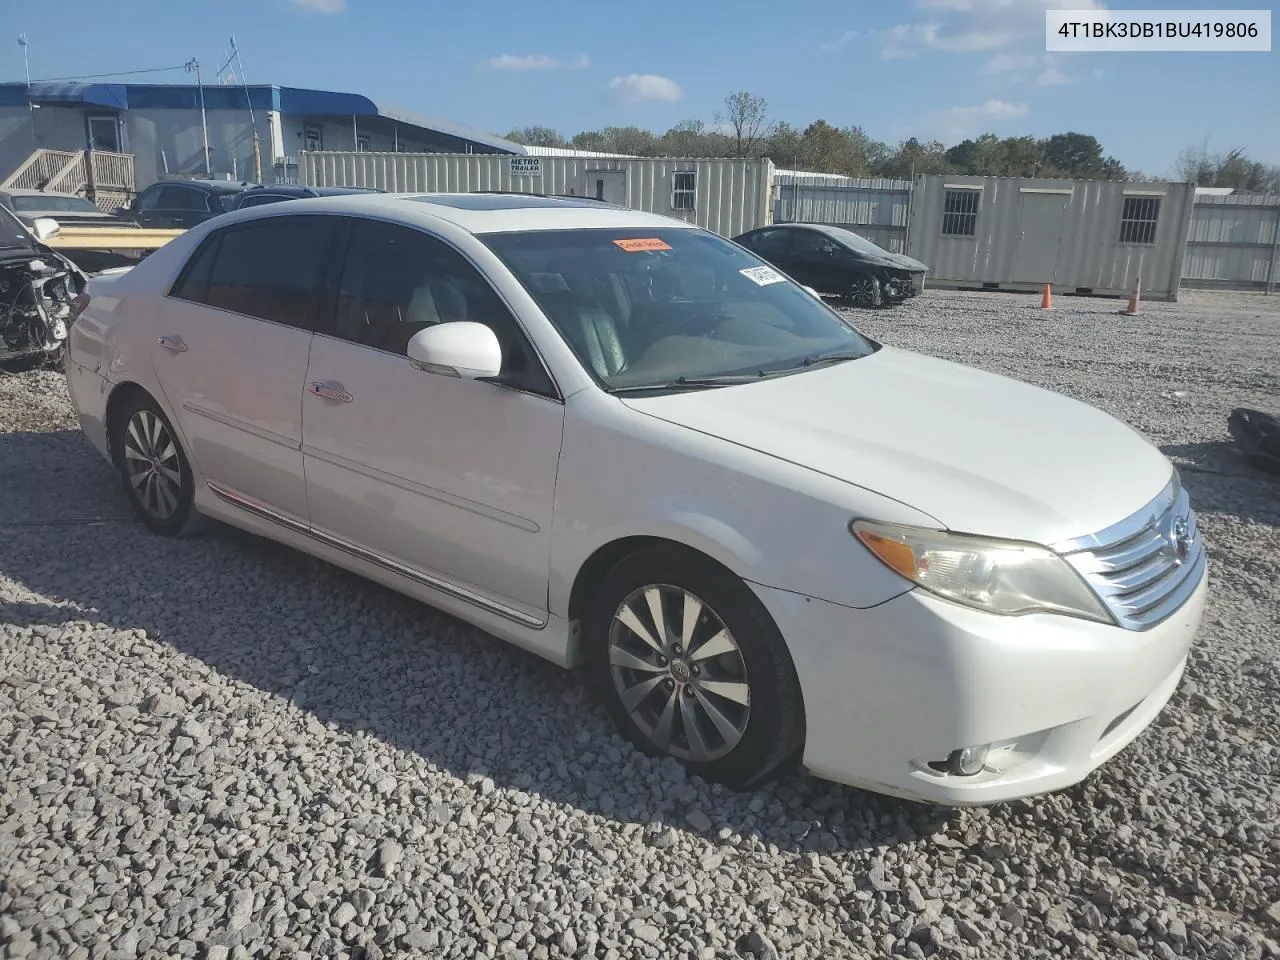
743, 129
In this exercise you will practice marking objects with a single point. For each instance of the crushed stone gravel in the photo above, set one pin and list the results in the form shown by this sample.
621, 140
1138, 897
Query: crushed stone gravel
219, 748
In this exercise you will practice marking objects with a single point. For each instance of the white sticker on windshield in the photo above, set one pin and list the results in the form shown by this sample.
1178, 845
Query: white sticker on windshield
762, 275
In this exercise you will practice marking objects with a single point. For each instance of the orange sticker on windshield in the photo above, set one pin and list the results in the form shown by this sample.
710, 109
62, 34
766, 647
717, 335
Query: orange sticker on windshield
638, 246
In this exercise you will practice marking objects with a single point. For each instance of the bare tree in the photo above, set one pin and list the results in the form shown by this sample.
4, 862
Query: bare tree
748, 116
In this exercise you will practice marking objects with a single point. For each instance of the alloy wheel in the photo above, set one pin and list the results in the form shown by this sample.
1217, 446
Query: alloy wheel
152, 465
679, 673
863, 292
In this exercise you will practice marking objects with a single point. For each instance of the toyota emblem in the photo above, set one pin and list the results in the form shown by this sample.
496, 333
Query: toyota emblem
1180, 538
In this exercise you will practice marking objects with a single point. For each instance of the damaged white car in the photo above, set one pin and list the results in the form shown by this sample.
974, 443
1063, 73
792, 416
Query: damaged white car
38, 288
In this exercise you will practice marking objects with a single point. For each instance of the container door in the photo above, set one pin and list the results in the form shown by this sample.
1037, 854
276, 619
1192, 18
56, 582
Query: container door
1040, 232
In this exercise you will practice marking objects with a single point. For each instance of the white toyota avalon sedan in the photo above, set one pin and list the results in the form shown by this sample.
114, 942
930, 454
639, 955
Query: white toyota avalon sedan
620, 441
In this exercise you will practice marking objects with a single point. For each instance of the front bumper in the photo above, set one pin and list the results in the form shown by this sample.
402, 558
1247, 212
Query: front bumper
890, 689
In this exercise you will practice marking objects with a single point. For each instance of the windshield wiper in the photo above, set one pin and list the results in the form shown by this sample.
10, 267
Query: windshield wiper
820, 358
694, 383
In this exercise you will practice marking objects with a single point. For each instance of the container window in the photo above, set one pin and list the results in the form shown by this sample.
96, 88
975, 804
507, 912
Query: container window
684, 190
1138, 219
960, 213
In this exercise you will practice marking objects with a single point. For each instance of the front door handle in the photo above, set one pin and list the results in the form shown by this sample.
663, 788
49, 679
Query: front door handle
331, 391
175, 344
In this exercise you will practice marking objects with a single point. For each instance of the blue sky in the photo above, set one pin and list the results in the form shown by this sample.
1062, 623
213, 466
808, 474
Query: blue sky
928, 68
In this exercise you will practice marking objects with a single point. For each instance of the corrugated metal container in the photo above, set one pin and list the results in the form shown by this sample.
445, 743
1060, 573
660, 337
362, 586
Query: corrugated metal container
874, 208
1083, 236
726, 196
1234, 242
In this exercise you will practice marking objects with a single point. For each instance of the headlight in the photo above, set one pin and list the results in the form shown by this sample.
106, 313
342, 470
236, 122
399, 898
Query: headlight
999, 576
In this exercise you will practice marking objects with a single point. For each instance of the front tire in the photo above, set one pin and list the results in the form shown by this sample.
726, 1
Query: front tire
690, 665
865, 292
154, 468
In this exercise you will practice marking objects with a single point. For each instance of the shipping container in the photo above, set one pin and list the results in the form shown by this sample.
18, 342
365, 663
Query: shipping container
875, 209
1234, 243
1096, 237
727, 196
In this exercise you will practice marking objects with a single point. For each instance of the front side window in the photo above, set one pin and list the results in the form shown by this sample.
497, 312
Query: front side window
396, 281
266, 269
644, 309
813, 245
147, 199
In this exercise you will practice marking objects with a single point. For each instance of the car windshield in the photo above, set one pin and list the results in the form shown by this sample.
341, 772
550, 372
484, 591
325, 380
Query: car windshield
673, 308
12, 233
35, 203
861, 244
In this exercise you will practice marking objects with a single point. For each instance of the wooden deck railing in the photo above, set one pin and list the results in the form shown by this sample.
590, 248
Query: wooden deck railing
106, 178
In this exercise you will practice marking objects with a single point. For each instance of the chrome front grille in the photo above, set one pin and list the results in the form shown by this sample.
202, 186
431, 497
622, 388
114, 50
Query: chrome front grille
1145, 567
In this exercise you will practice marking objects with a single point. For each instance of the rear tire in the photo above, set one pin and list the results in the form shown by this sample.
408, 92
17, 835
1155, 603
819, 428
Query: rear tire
711, 685
154, 468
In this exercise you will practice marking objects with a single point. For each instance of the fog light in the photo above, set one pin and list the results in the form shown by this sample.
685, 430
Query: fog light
968, 761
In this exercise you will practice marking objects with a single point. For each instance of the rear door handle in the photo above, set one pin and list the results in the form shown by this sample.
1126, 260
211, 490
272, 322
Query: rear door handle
331, 391
175, 344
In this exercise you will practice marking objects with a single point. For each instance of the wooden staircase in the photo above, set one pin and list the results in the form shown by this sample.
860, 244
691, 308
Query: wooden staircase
105, 178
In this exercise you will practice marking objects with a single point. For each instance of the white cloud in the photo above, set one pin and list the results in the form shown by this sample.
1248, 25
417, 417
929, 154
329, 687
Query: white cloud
843, 40
1014, 68
955, 124
1052, 76
637, 87
536, 61
1009, 62
973, 26
322, 6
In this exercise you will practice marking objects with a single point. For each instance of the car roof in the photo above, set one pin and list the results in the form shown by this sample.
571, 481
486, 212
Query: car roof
293, 189
481, 213
213, 186
12, 192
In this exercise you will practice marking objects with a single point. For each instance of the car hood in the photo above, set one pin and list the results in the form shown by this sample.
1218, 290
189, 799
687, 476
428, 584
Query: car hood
899, 260
79, 219
979, 452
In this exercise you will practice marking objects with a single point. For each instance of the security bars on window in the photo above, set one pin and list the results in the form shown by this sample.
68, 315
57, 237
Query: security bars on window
684, 188
1138, 219
960, 213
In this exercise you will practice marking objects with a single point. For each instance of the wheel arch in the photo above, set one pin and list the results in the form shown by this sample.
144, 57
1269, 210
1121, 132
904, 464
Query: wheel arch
117, 402
607, 556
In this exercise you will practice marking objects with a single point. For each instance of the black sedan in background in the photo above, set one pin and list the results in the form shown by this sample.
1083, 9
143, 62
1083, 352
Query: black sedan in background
837, 263
182, 204
256, 196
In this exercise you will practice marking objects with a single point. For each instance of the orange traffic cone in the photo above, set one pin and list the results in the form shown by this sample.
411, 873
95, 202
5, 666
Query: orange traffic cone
1135, 297
1046, 298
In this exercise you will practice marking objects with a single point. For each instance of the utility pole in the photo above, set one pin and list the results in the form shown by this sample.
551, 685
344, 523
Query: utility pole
22, 42
204, 122
257, 145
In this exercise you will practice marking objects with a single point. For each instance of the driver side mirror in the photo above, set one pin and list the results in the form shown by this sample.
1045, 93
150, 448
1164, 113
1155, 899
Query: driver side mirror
461, 348
45, 227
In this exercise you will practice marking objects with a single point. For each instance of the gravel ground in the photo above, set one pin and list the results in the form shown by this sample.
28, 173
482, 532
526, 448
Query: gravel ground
219, 748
